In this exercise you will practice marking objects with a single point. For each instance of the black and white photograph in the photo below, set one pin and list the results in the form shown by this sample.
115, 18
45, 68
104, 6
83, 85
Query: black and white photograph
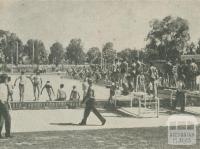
99, 74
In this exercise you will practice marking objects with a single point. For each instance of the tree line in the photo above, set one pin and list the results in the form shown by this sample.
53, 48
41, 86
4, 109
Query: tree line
167, 39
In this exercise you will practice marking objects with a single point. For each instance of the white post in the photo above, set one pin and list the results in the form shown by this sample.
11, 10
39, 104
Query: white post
115, 98
158, 108
139, 110
12, 63
131, 100
17, 54
101, 60
33, 57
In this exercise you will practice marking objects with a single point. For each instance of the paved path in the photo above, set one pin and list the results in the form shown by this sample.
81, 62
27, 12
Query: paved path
194, 110
57, 120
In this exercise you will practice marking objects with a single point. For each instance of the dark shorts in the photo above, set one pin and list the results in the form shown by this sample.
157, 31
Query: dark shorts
35, 84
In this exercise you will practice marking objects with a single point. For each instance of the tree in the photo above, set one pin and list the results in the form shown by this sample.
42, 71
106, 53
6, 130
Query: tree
40, 54
12, 46
94, 55
2, 57
74, 52
130, 54
127, 54
109, 54
56, 53
167, 38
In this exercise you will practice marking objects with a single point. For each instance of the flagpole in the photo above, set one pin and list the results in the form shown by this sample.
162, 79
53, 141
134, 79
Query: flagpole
17, 54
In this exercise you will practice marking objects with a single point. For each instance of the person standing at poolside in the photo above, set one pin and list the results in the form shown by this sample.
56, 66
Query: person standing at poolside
180, 94
4, 106
37, 84
10, 89
124, 70
22, 81
153, 76
49, 90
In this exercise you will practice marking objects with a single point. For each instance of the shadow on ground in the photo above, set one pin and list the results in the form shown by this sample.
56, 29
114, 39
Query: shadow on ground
72, 124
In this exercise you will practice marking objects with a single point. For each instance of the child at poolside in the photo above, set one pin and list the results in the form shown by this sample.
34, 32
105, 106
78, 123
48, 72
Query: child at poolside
61, 94
10, 89
74, 96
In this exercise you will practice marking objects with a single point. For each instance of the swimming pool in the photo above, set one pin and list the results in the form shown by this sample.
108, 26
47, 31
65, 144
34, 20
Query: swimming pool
102, 93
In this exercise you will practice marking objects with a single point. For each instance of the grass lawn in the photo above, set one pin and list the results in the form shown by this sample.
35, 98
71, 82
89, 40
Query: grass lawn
131, 138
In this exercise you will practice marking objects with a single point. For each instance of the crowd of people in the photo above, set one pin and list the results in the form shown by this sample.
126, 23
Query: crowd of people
129, 77
186, 70
133, 76
180, 76
136, 75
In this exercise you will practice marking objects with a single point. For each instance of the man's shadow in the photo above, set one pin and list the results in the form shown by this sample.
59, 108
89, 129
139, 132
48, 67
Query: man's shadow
72, 124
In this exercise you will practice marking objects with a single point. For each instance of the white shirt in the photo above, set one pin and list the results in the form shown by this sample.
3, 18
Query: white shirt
3, 92
84, 86
180, 85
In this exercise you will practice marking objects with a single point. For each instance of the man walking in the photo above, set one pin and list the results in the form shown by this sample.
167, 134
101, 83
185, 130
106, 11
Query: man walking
4, 112
89, 99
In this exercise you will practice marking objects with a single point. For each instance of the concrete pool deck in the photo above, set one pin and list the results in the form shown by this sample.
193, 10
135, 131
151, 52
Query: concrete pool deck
67, 119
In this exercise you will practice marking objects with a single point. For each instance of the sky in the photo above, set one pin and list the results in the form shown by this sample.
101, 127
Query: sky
123, 22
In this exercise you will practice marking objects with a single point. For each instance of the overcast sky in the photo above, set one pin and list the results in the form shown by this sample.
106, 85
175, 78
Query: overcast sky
125, 23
